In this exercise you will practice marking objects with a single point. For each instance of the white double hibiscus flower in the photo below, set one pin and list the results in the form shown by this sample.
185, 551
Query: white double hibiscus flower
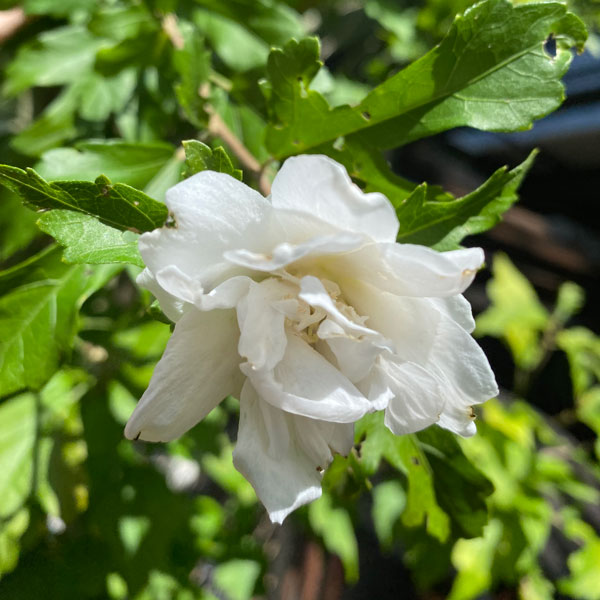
304, 307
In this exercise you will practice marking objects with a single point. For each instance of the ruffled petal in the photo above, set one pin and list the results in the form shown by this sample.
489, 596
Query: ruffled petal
285, 253
428, 337
354, 357
304, 383
199, 368
170, 304
418, 400
320, 186
262, 327
179, 285
282, 455
213, 212
313, 292
408, 269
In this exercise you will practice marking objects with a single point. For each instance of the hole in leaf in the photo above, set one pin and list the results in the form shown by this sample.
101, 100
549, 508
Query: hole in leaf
550, 45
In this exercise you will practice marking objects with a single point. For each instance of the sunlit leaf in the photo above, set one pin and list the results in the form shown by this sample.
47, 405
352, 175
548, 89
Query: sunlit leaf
200, 157
122, 162
333, 523
490, 72
88, 241
39, 302
117, 205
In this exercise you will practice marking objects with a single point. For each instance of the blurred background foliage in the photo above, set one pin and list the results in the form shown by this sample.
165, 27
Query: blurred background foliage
109, 87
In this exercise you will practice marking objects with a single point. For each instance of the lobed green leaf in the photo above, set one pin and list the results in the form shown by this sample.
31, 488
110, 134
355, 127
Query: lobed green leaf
491, 72
117, 205
200, 157
88, 241
442, 222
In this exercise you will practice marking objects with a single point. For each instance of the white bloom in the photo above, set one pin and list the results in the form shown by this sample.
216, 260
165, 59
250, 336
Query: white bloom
304, 307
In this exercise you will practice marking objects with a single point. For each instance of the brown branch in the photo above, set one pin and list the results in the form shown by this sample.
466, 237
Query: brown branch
171, 28
11, 21
218, 128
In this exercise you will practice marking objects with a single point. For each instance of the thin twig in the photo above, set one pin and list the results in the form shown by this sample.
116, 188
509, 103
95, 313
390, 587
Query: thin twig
216, 125
11, 21
171, 28
218, 128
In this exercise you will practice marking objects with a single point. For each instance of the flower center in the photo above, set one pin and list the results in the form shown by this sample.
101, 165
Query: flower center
303, 319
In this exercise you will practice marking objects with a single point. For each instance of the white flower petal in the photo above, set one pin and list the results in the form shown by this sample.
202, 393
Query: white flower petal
313, 292
285, 253
320, 186
424, 335
409, 270
262, 332
213, 213
198, 369
282, 455
458, 309
225, 295
426, 272
170, 304
354, 357
458, 419
418, 400
305, 383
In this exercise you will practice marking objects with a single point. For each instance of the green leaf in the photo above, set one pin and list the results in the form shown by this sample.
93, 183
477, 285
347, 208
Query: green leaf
101, 96
124, 162
56, 57
515, 315
460, 488
200, 157
582, 347
117, 205
87, 240
405, 42
94, 97
273, 21
10, 535
473, 559
38, 315
192, 63
443, 222
237, 578
334, 525
121, 22
17, 225
583, 580
405, 454
144, 50
490, 72
389, 500
248, 52
17, 441
65, 8
55, 125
